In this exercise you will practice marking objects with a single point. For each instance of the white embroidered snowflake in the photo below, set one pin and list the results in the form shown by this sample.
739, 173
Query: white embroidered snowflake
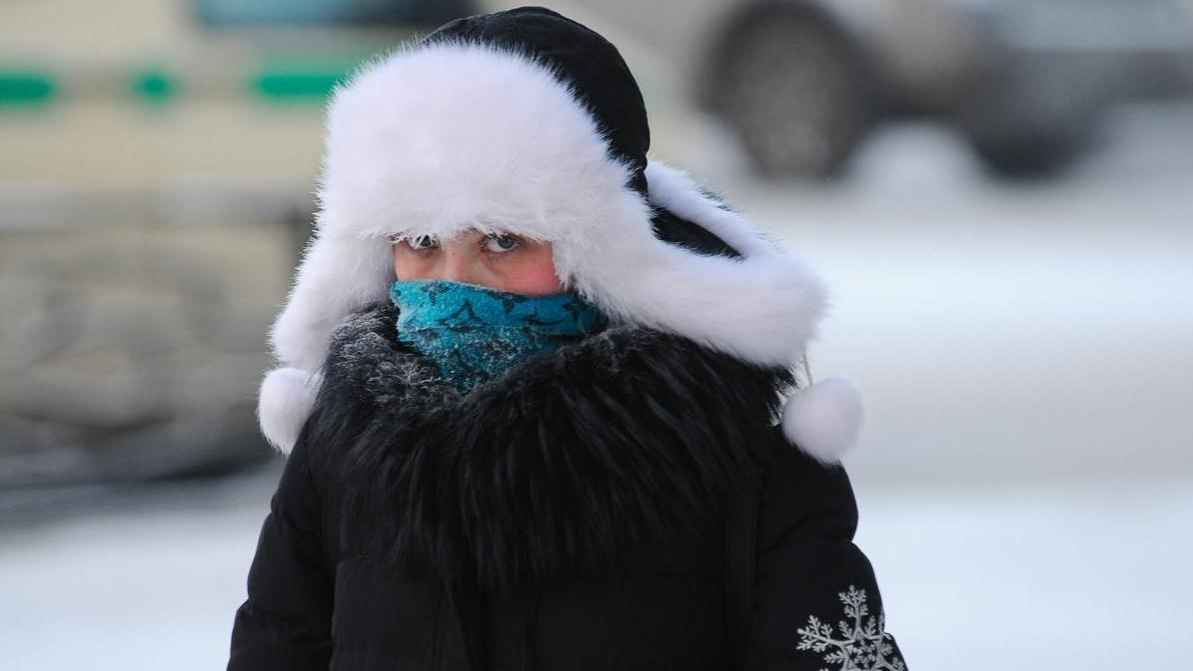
863, 645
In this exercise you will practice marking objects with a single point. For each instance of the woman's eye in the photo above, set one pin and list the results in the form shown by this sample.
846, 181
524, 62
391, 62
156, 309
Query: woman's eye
501, 242
423, 242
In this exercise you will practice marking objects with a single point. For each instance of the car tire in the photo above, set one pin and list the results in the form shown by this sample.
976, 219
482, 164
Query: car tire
793, 88
1024, 125
1026, 154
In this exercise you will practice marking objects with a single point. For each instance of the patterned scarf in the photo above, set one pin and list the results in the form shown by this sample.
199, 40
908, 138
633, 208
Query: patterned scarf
474, 334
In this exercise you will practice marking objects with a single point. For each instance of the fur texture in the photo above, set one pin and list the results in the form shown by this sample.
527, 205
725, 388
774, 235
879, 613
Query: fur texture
623, 440
824, 419
408, 155
285, 400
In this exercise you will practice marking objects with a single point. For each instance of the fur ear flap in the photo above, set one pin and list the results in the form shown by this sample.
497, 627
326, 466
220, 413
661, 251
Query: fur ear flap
285, 401
825, 419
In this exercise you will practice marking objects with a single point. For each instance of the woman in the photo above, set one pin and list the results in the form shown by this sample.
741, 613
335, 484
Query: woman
552, 442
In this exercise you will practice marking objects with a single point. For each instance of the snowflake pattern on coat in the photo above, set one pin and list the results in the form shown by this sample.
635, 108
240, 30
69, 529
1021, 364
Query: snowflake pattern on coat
863, 644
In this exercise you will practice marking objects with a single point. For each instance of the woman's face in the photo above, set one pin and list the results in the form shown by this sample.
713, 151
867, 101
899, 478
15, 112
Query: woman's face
498, 261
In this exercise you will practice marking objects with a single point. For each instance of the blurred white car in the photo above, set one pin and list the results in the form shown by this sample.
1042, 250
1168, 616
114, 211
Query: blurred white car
802, 81
156, 161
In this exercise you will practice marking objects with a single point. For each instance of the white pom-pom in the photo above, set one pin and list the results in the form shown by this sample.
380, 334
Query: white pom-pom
824, 420
285, 401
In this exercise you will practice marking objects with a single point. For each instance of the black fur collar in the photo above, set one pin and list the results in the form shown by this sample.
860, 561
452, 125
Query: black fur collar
624, 439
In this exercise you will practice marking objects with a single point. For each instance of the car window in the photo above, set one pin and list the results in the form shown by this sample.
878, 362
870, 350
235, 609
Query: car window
221, 13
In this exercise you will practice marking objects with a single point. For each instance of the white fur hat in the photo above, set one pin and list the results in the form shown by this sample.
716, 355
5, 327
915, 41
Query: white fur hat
457, 134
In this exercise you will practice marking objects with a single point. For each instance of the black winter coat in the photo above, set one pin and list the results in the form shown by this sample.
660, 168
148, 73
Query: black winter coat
570, 515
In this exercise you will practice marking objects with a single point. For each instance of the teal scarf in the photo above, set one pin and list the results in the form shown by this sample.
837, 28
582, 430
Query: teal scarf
474, 334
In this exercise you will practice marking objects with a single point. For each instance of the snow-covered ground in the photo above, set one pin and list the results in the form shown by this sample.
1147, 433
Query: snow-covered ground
1025, 480
133, 580
1091, 577
1042, 577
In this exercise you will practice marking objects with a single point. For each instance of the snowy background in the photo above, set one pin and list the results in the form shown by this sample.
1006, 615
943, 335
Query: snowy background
1026, 475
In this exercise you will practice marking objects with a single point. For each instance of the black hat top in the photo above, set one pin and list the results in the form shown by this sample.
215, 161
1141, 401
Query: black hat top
592, 67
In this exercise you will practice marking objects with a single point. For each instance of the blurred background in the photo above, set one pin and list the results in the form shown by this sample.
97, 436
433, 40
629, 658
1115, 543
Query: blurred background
1000, 193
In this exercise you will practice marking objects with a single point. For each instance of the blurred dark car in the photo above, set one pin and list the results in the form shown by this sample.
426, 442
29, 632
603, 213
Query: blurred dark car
1027, 81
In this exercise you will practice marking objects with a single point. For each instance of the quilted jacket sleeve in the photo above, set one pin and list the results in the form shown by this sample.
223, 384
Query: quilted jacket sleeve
286, 621
816, 601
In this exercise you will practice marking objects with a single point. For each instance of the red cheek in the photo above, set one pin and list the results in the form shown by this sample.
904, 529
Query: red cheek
532, 273
535, 280
408, 265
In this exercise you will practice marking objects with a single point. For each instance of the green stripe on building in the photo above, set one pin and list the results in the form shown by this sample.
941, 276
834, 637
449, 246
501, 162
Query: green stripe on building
25, 88
297, 85
154, 86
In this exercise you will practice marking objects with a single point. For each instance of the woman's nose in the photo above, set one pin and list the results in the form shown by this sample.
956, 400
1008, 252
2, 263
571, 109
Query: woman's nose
459, 265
